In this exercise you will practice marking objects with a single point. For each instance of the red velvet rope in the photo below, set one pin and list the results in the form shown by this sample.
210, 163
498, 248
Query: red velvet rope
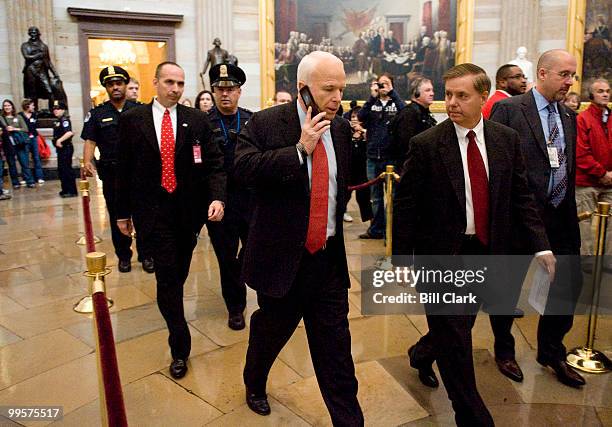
366, 184
115, 407
113, 394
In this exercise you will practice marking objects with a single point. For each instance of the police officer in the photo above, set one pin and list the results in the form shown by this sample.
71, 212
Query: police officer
227, 119
101, 129
62, 140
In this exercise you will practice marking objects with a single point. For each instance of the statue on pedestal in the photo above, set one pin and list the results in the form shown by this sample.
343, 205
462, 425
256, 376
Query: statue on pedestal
217, 55
525, 65
40, 79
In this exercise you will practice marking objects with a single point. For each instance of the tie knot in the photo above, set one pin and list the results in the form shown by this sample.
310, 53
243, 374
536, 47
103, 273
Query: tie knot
166, 112
471, 136
551, 108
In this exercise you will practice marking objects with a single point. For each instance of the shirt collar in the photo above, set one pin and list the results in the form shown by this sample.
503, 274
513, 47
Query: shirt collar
161, 108
462, 132
504, 92
541, 101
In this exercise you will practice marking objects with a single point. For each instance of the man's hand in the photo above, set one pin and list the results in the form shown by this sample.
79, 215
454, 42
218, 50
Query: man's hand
312, 129
10, 128
125, 226
606, 179
548, 262
215, 211
90, 169
58, 145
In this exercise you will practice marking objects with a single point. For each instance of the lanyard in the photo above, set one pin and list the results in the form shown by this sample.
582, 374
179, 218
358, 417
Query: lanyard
223, 125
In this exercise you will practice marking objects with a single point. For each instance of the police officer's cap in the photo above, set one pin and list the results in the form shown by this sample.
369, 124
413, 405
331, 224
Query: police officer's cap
113, 72
59, 105
226, 75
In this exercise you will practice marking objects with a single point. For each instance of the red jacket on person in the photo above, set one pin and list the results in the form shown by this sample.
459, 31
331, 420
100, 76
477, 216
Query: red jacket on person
593, 148
497, 96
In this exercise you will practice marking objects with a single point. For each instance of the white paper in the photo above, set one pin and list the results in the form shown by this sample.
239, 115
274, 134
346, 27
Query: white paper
540, 285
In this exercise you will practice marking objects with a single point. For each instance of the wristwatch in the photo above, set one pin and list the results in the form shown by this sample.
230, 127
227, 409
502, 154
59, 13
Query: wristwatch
302, 150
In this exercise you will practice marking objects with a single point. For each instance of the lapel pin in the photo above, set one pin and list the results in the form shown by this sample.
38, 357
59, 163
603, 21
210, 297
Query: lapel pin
185, 125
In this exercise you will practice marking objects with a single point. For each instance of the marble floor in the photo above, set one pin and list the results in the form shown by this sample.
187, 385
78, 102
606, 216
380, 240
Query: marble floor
47, 350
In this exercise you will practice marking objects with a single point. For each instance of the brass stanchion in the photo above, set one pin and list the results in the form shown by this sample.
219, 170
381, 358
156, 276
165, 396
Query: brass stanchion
96, 270
390, 177
84, 189
586, 358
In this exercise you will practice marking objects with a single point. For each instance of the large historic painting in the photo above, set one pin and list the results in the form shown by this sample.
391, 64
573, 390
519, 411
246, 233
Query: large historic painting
403, 38
597, 53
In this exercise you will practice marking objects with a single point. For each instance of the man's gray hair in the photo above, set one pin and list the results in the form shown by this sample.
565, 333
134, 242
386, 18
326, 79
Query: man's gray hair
310, 61
598, 80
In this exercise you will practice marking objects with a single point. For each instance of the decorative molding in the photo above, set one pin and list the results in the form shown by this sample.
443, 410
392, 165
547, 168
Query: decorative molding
576, 22
115, 15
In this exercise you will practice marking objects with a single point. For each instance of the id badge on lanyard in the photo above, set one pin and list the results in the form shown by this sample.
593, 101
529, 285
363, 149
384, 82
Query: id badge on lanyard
197, 152
553, 153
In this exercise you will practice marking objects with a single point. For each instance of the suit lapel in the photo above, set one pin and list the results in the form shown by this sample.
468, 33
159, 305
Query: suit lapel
148, 128
448, 146
339, 151
495, 160
293, 133
181, 114
569, 132
532, 117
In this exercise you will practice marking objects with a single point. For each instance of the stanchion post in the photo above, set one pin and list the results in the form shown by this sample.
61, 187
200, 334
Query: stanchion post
586, 358
84, 189
389, 178
96, 271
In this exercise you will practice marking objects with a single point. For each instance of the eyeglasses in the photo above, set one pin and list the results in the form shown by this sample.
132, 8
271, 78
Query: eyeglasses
565, 75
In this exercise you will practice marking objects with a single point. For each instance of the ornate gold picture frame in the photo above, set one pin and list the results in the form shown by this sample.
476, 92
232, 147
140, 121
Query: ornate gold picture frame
267, 13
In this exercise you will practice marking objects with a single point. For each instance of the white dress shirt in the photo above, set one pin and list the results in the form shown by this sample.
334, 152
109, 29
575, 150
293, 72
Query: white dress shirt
333, 170
158, 116
463, 147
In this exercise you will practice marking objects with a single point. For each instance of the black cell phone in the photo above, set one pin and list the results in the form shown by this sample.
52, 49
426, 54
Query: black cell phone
380, 85
309, 101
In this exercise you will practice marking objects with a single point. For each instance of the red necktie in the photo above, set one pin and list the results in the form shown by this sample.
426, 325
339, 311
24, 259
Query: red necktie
382, 44
167, 153
480, 189
317, 224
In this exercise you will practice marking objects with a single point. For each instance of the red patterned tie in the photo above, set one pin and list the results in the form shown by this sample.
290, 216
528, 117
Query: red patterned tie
167, 153
480, 189
317, 224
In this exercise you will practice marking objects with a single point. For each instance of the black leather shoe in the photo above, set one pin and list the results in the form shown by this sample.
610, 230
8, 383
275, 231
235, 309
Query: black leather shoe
368, 235
565, 374
178, 368
510, 368
426, 373
125, 266
148, 265
235, 321
258, 404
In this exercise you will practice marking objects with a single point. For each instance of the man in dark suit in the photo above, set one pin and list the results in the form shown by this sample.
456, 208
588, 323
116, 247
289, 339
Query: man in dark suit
463, 188
547, 130
170, 181
298, 166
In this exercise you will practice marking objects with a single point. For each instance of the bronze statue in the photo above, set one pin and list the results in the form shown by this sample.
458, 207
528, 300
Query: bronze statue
40, 79
217, 55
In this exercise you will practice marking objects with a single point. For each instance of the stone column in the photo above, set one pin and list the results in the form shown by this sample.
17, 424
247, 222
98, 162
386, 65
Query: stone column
213, 19
519, 27
22, 14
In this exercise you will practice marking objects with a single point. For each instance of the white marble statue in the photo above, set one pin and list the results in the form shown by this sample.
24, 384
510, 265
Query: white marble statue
523, 63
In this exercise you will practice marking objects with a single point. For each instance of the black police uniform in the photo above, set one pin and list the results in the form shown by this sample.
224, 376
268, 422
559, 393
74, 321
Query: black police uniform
64, 156
226, 234
102, 126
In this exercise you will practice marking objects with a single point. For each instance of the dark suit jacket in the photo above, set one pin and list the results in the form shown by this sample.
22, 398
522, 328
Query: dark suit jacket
521, 114
139, 174
266, 159
429, 214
